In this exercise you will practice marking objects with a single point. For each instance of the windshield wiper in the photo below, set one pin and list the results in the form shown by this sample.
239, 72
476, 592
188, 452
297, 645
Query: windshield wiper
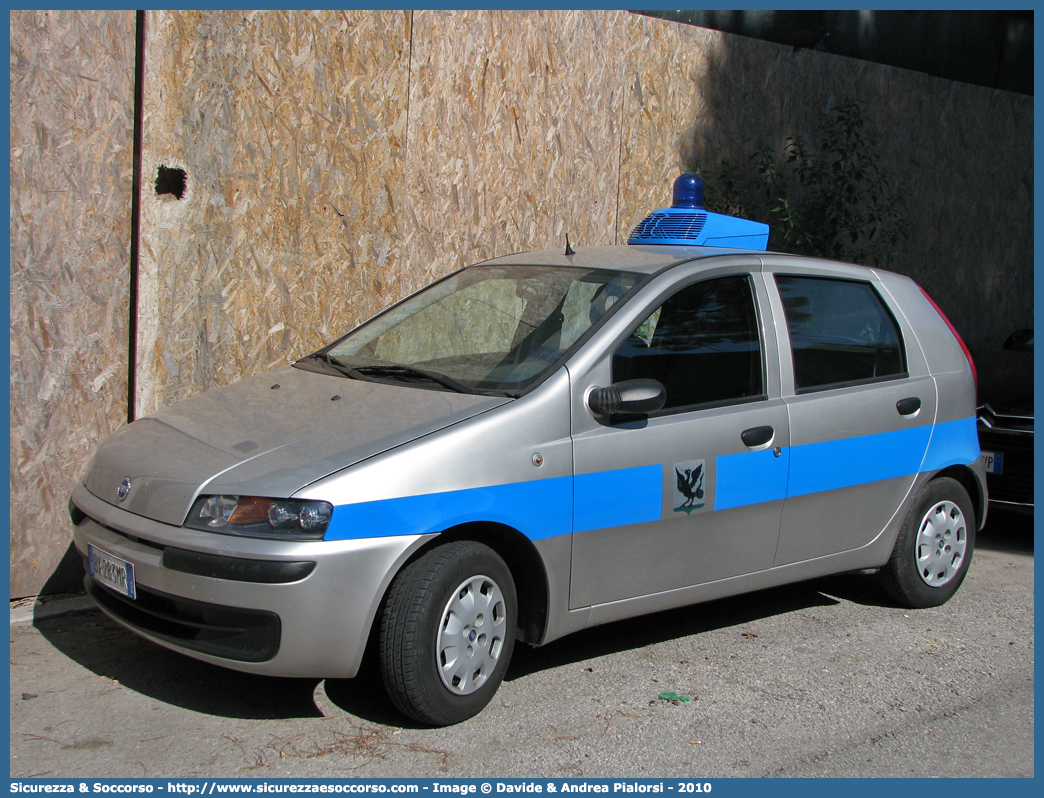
332, 362
369, 372
365, 372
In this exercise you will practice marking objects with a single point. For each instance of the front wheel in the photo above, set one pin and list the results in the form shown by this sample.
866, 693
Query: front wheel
934, 548
447, 632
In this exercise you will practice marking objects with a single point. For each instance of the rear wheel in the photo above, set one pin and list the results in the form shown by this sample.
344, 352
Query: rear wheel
447, 632
934, 548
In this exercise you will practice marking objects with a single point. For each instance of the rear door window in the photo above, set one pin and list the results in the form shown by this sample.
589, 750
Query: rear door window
841, 333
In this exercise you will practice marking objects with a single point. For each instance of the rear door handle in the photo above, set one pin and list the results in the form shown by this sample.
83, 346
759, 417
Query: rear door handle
757, 436
907, 407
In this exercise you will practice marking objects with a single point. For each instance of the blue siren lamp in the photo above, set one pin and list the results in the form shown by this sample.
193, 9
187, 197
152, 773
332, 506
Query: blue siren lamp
687, 223
688, 191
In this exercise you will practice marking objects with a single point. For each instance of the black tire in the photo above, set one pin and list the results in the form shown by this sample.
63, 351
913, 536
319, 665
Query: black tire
924, 569
412, 641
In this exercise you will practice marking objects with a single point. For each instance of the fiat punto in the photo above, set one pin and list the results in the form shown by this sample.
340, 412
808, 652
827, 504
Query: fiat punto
542, 443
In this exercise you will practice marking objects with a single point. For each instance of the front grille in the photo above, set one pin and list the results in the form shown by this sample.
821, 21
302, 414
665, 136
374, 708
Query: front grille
227, 632
79, 516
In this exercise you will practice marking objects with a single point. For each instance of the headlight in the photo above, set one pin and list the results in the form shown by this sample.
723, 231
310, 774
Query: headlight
285, 519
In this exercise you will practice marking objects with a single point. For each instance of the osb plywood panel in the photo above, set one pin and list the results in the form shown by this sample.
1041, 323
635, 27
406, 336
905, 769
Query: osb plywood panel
291, 131
665, 66
698, 96
513, 134
72, 78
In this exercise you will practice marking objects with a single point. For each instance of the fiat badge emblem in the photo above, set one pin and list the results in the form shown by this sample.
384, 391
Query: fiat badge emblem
124, 489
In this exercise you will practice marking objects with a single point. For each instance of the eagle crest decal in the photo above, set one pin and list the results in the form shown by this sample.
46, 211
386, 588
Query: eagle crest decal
688, 489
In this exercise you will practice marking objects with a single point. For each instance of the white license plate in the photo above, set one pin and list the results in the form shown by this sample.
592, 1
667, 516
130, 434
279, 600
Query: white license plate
994, 462
111, 571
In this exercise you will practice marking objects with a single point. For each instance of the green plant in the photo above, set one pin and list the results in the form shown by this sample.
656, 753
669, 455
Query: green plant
827, 196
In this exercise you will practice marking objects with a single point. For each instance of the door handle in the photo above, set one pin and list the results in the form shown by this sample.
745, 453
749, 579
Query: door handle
907, 407
757, 436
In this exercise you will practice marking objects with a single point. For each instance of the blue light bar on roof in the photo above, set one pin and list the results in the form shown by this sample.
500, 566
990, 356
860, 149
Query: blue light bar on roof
687, 223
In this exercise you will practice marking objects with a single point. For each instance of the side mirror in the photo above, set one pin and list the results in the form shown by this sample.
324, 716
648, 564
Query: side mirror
1020, 341
631, 397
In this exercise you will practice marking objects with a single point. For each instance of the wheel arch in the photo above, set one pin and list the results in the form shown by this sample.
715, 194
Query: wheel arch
970, 482
524, 562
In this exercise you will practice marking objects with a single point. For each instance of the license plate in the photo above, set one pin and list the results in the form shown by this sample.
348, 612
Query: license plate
111, 571
994, 462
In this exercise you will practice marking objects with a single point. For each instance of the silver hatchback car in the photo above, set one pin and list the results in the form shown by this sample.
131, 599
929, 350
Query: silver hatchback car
541, 443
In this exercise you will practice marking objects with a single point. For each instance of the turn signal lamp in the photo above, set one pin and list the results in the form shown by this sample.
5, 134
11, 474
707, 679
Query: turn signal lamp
687, 223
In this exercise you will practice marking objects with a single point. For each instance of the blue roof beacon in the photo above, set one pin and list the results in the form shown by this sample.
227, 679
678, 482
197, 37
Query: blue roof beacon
687, 223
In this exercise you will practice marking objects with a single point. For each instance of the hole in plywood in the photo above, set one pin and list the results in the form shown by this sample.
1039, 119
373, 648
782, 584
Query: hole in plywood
170, 181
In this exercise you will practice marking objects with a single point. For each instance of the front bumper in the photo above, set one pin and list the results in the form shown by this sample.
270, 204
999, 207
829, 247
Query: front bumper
208, 605
1013, 488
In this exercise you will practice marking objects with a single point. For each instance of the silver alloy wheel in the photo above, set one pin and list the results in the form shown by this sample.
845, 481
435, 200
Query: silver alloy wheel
471, 636
941, 543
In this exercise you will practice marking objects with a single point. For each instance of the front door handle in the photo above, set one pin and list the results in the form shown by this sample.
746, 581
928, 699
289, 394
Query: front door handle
907, 407
757, 436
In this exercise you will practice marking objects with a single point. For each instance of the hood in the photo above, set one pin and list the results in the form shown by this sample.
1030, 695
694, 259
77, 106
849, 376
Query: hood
267, 435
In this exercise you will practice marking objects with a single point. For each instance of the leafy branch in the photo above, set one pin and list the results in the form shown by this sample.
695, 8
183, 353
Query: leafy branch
828, 196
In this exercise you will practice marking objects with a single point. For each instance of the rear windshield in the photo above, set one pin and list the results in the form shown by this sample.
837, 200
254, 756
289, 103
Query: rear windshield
486, 329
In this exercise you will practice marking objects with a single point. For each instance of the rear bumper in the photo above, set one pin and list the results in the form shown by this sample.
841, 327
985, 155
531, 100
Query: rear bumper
208, 605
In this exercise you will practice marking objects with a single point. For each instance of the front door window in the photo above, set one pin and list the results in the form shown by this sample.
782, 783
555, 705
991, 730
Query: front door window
702, 344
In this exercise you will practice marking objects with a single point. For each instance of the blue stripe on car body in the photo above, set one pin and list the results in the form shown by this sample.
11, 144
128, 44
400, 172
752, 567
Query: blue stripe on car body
818, 467
753, 477
953, 443
617, 498
750, 478
541, 508
546, 508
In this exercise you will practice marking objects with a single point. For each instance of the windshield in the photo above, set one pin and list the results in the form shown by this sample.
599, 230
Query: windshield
496, 329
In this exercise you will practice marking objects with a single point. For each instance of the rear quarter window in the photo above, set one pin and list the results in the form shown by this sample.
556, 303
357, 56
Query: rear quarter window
841, 333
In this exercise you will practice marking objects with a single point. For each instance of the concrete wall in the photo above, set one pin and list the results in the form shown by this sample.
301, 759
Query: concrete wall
337, 161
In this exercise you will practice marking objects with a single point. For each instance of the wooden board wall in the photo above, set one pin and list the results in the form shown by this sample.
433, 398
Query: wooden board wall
514, 134
336, 161
965, 153
72, 81
291, 131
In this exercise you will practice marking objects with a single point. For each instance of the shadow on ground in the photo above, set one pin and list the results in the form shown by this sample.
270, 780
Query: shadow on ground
1006, 531
105, 648
661, 627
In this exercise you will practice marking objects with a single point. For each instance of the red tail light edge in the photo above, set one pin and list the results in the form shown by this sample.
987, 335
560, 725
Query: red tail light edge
957, 335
